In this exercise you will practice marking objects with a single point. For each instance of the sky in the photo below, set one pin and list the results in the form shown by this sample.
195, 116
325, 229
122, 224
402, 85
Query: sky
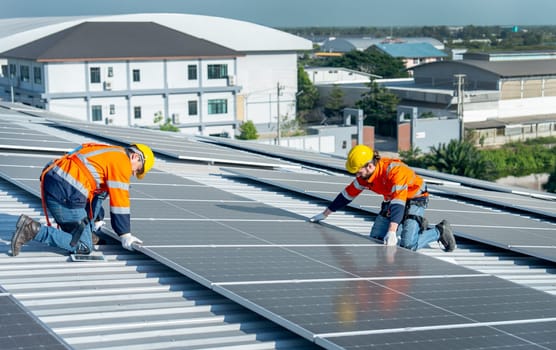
308, 13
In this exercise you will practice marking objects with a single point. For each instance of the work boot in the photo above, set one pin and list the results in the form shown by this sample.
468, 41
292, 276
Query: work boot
446, 236
25, 230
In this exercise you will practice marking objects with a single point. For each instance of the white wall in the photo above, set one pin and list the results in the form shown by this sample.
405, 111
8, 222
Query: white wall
71, 107
259, 75
66, 77
150, 106
178, 104
527, 107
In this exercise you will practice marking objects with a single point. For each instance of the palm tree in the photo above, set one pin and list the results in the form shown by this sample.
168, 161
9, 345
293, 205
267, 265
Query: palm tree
458, 158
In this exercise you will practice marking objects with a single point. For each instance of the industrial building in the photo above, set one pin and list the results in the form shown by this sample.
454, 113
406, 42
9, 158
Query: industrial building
206, 75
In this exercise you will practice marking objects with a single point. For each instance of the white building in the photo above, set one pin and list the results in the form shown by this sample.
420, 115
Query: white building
206, 74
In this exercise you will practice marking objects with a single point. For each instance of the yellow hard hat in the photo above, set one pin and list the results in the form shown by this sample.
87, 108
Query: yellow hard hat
358, 157
148, 158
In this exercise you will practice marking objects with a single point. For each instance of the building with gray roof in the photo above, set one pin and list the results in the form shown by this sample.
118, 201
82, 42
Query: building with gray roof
206, 75
502, 100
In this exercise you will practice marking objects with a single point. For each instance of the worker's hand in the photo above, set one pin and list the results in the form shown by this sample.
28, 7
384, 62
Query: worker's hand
128, 239
391, 239
318, 218
99, 225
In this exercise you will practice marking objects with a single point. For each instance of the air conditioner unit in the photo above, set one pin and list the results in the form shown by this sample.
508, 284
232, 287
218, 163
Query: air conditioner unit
231, 80
107, 85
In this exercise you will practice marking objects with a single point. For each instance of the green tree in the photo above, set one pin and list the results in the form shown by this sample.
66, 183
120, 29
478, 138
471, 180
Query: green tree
550, 186
380, 107
248, 131
308, 94
335, 102
458, 158
307, 97
370, 61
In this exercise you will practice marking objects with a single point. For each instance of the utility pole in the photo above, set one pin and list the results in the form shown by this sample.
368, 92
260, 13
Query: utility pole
459, 93
279, 89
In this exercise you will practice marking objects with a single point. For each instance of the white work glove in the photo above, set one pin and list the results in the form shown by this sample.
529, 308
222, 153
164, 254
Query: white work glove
128, 239
318, 218
391, 239
99, 224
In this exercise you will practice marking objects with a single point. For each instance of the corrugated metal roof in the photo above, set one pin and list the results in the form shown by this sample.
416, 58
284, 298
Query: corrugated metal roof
119, 41
504, 69
411, 50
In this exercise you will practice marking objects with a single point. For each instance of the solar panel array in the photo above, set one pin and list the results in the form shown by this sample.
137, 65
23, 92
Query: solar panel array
512, 198
21, 330
338, 289
501, 229
174, 145
16, 136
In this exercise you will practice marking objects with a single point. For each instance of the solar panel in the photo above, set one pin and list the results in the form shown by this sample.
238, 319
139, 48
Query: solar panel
16, 136
517, 233
508, 201
173, 145
21, 330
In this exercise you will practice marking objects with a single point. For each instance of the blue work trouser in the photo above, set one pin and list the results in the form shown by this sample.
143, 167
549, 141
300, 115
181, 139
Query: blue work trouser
409, 232
65, 217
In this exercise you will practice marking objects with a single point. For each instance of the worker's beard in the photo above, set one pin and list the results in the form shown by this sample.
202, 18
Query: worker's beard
366, 177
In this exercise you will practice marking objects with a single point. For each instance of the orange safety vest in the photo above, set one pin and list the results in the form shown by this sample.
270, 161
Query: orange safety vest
92, 169
393, 179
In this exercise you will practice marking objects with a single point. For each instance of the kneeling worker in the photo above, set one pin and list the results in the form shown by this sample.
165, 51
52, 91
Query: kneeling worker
405, 200
73, 188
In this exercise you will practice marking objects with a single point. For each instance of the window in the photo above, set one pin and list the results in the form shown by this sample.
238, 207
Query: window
137, 112
192, 107
112, 109
136, 75
192, 72
110, 72
95, 75
13, 70
4, 70
219, 106
96, 113
25, 76
217, 71
37, 75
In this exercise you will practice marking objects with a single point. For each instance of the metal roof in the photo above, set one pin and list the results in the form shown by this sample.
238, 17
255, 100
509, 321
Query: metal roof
411, 50
117, 41
504, 69
345, 44
234, 34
